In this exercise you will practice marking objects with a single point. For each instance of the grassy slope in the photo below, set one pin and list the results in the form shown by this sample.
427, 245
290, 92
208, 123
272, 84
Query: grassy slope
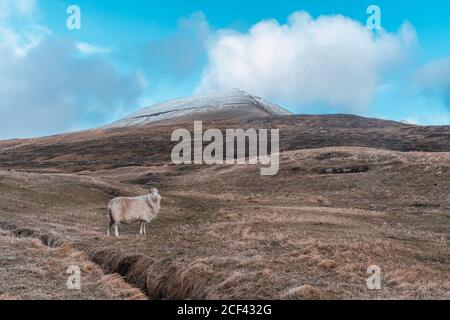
225, 232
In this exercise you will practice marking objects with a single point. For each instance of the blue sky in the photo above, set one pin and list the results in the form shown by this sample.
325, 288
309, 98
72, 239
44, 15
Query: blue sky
310, 56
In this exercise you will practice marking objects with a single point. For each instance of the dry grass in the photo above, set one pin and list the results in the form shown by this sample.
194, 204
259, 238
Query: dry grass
32, 270
226, 232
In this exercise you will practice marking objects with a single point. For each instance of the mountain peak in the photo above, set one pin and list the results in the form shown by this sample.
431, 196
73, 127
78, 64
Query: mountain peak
232, 103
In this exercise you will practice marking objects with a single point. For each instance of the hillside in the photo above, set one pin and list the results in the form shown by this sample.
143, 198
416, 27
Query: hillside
351, 192
150, 144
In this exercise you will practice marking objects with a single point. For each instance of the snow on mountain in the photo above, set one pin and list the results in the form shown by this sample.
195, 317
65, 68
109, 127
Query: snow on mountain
231, 103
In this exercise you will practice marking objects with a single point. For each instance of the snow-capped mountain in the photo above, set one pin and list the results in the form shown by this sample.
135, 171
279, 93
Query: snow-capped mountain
233, 103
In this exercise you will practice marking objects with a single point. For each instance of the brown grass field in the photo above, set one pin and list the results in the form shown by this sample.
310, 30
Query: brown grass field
225, 232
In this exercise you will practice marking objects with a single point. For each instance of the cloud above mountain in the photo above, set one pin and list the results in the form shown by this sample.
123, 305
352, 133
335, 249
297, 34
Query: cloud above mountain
50, 85
52, 81
331, 60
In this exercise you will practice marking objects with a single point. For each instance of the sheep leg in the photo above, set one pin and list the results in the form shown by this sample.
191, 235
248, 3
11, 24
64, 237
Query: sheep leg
109, 228
141, 231
116, 228
145, 229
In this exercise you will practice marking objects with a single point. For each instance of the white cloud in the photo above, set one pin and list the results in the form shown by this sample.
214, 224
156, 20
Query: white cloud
50, 90
331, 60
46, 87
25, 33
90, 49
434, 78
9, 8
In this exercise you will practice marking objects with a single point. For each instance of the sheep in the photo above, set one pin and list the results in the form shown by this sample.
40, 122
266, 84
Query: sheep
130, 210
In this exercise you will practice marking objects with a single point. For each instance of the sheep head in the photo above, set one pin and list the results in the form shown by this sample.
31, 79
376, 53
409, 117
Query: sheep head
155, 197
